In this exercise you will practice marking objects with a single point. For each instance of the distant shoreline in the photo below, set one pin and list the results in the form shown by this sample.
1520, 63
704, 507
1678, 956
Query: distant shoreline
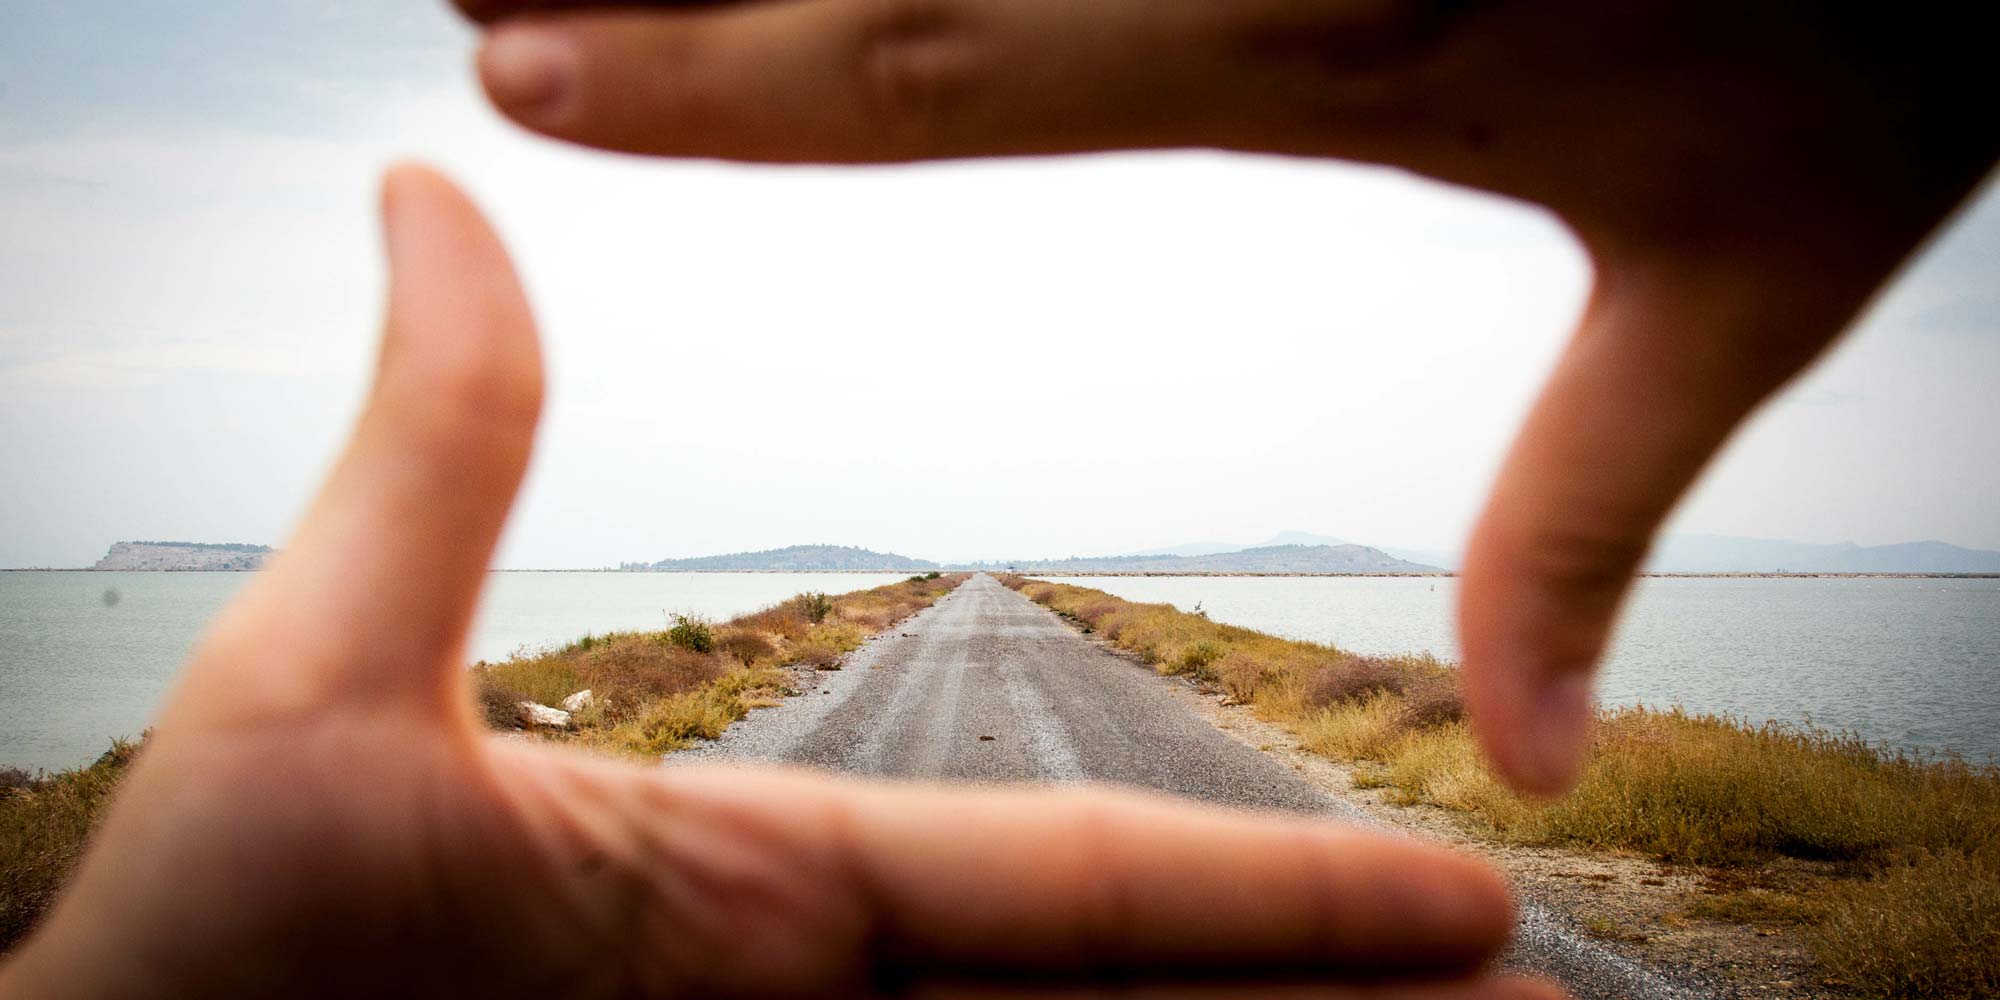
1079, 573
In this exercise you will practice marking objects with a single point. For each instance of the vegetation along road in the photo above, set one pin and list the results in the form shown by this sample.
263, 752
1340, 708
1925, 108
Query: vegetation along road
986, 686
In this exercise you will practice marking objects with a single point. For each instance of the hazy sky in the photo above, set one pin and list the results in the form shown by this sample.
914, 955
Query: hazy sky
977, 360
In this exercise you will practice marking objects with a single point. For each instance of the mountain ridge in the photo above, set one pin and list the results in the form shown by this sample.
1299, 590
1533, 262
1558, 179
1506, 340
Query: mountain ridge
791, 559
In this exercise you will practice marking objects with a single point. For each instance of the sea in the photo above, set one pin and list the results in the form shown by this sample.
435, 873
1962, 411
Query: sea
86, 657
1910, 663
1913, 664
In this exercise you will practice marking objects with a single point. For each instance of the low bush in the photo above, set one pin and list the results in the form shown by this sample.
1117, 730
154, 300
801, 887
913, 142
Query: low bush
746, 647
499, 707
1429, 704
626, 675
813, 606
1242, 675
1355, 680
1197, 658
692, 633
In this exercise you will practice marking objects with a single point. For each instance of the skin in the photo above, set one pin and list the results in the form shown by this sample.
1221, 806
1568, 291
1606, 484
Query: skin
319, 813
1744, 177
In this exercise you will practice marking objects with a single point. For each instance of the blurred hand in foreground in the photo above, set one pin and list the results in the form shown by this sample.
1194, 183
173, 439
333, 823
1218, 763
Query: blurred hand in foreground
318, 812
1744, 177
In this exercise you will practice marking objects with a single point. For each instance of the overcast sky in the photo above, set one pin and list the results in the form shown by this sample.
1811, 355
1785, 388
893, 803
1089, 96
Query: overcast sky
1002, 359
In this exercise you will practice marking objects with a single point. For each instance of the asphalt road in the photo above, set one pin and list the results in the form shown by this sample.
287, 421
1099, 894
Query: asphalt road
986, 686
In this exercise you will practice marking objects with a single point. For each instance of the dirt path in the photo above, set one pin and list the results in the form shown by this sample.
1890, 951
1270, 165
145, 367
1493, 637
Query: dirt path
985, 686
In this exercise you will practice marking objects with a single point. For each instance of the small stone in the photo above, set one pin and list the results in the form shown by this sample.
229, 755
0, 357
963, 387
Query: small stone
578, 701
535, 714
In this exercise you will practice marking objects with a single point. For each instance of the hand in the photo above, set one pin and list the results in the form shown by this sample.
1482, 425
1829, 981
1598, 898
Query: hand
1743, 176
318, 811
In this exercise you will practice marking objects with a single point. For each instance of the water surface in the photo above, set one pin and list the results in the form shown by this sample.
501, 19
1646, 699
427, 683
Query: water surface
1911, 662
85, 657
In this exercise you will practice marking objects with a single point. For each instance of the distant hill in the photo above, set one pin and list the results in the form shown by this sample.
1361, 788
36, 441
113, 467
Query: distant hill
1443, 558
1304, 559
1192, 549
183, 557
1725, 554
796, 559
1301, 538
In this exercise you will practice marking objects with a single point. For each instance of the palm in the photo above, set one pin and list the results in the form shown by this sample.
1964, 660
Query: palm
318, 812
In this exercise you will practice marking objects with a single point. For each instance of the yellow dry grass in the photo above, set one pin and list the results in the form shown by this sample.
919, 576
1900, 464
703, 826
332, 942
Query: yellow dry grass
1925, 833
657, 692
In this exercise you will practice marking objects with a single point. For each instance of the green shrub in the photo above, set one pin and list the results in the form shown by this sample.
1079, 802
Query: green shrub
813, 606
692, 633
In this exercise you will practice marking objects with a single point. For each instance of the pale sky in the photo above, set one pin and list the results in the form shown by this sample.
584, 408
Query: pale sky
980, 360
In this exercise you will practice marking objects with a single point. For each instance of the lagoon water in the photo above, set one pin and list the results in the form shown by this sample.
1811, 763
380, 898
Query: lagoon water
1914, 663
79, 667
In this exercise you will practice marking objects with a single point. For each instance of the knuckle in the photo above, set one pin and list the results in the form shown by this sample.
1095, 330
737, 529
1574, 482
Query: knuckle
1100, 929
918, 67
1580, 562
1332, 65
459, 403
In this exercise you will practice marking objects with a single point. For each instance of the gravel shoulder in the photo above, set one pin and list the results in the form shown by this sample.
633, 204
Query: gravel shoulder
985, 686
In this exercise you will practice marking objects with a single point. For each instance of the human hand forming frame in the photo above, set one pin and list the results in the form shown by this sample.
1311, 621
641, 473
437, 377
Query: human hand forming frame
1743, 175
318, 812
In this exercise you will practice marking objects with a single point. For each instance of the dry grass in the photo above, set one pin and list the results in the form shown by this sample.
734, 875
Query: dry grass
1928, 926
44, 823
1925, 921
654, 693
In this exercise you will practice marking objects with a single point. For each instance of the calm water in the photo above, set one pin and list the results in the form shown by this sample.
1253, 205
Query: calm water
76, 670
1914, 663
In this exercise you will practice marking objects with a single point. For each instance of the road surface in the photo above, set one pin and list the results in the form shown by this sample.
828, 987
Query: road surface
986, 686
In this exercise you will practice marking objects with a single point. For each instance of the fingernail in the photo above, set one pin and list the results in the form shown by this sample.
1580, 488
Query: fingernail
528, 70
1559, 734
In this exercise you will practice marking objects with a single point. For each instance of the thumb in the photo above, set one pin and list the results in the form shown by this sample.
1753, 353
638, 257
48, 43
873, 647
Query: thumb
373, 596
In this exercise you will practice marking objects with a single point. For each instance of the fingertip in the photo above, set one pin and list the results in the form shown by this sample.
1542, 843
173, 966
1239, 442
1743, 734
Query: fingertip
459, 326
530, 71
1540, 747
1558, 736
411, 191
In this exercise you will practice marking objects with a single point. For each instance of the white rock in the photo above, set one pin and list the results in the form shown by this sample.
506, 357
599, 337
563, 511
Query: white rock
578, 701
542, 715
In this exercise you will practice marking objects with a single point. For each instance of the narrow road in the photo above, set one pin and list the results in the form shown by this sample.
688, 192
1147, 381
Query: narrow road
987, 686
